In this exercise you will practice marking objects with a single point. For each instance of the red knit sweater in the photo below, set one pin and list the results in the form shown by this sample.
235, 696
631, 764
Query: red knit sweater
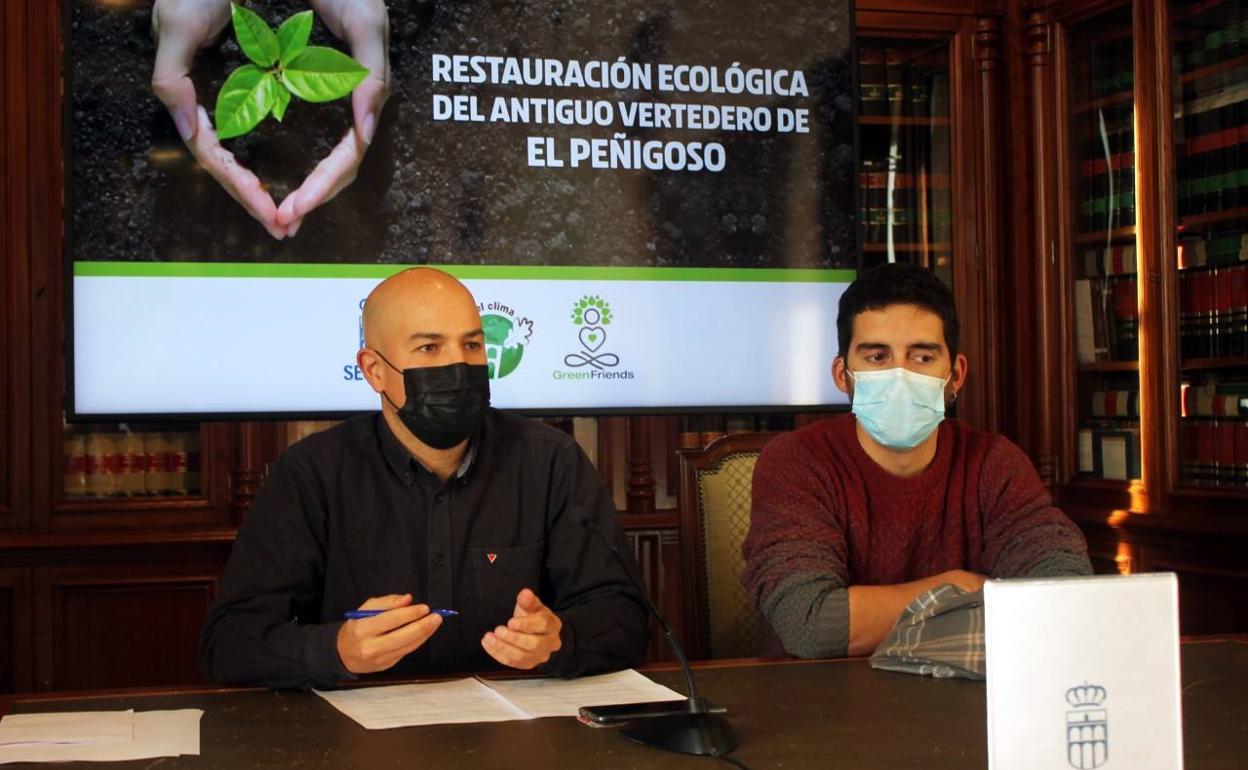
824, 510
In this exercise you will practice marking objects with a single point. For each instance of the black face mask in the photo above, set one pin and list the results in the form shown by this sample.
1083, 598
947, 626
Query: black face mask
445, 404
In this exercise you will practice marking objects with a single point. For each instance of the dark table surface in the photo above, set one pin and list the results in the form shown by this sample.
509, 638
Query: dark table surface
825, 714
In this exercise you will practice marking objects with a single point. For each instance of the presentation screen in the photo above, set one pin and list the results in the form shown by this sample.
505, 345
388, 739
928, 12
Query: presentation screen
652, 202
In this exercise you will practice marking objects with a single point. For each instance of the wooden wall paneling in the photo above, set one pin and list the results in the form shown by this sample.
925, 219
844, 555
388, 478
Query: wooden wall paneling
45, 177
15, 631
1213, 584
120, 625
657, 553
15, 234
1045, 283
1015, 298
976, 318
255, 445
640, 467
988, 188
664, 441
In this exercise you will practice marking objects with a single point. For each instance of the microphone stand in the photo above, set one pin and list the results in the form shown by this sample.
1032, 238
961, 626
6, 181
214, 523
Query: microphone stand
702, 727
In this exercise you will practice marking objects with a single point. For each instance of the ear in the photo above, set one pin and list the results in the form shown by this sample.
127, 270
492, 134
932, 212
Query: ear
372, 368
840, 375
958, 376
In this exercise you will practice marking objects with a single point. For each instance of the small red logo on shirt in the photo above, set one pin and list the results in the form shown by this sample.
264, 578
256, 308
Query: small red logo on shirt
491, 557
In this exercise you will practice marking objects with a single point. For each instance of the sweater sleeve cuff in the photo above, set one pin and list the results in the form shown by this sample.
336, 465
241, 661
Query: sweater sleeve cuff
320, 655
832, 623
810, 614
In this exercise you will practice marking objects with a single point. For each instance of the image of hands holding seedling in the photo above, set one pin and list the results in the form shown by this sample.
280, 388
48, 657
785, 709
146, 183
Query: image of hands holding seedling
281, 66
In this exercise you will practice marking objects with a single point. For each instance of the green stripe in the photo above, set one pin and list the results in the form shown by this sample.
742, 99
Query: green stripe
469, 272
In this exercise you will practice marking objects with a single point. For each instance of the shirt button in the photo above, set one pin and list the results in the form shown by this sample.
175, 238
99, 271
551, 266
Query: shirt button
439, 497
438, 561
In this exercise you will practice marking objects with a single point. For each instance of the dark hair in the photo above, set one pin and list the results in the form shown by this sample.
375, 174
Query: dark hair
897, 284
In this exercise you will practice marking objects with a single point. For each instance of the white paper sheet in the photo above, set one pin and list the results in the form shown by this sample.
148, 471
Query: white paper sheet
73, 727
475, 700
156, 734
564, 697
436, 703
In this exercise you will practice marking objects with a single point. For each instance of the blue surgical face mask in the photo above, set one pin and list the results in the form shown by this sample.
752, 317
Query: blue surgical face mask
897, 407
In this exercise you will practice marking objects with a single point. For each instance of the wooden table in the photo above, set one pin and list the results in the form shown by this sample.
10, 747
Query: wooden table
837, 714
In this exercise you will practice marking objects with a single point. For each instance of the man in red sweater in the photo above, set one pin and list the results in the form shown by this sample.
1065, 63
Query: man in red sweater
855, 516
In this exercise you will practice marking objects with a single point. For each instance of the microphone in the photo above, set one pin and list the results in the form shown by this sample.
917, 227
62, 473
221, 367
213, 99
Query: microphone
698, 728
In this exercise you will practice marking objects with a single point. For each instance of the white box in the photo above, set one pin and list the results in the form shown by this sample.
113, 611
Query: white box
1083, 673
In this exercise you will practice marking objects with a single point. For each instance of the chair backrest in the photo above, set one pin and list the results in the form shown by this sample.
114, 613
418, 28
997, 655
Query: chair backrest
715, 485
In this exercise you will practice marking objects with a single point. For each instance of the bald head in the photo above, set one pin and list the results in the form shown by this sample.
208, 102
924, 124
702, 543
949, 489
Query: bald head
414, 301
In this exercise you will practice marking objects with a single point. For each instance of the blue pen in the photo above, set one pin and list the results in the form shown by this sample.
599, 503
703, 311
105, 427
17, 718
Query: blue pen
361, 614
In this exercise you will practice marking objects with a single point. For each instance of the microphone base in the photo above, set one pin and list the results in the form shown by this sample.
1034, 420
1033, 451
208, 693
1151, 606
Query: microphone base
691, 733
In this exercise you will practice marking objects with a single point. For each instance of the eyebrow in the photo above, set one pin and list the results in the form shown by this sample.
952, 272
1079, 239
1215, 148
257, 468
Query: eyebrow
438, 337
934, 347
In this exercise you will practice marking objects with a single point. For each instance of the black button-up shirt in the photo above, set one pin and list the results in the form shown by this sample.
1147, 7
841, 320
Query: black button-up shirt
348, 514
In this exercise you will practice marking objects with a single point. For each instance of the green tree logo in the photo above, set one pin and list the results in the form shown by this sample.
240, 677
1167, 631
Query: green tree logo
505, 340
591, 310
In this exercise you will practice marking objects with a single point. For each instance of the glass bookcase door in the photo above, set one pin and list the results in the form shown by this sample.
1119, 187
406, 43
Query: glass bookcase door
124, 463
905, 199
1209, 70
1101, 85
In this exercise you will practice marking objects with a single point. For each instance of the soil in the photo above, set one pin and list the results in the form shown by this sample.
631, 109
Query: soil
462, 193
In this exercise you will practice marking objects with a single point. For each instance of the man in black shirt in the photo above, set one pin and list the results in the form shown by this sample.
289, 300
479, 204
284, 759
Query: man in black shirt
437, 502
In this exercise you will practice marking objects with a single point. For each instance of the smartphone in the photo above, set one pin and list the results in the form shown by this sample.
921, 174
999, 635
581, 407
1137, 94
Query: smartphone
628, 712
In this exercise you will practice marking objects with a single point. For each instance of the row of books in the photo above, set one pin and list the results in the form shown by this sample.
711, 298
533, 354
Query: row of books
697, 431
1109, 450
1107, 319
908, 207
1214, 453
1109, 261
1212, 162
1222, 36
1107, 175
895, 82
1116, 403
1213, 312
1214, 397
1223, 249
105, 464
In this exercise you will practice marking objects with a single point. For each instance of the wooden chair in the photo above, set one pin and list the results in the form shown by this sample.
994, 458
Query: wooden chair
715, 483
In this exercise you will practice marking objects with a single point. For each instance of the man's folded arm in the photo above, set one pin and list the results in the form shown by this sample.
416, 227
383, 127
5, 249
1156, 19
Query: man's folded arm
1025, 534
605, 623
257, 632
794, 553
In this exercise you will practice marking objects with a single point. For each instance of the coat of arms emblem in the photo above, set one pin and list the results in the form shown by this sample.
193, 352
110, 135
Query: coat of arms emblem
1087, 727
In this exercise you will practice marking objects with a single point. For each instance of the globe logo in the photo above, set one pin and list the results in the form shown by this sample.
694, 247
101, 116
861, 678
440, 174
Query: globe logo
505, 340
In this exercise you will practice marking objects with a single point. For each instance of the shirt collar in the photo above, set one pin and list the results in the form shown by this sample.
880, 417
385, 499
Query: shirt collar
407, 467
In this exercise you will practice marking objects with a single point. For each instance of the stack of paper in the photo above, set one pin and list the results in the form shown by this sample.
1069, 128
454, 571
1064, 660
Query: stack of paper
480, 700
98, 735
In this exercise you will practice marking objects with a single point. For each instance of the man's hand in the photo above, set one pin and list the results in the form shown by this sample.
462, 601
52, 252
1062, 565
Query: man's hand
874, 609
364, 25
967, 581
377, 643
529, 638
181, 28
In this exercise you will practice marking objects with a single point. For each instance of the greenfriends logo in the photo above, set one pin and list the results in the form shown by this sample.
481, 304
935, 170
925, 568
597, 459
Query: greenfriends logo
506, 337
591, 315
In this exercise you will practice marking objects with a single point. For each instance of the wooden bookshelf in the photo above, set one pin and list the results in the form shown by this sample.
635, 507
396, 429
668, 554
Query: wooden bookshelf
1221, 362
1117, 234
1213, 217
1109, 366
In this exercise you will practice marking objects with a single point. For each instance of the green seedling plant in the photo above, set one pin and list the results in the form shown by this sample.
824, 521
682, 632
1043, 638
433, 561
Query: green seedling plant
282, 65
